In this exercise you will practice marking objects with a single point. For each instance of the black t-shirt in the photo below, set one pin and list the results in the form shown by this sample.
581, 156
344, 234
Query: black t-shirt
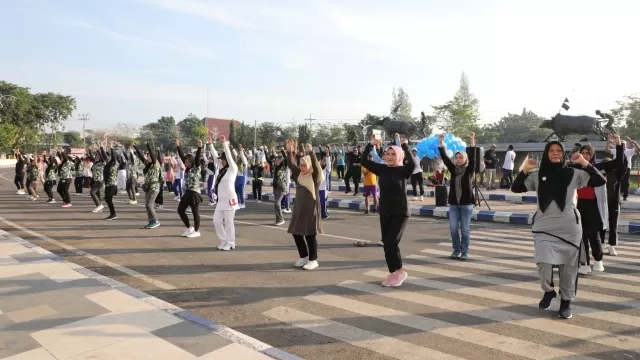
490, 155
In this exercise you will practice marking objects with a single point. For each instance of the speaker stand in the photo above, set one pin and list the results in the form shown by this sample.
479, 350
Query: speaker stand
478, 195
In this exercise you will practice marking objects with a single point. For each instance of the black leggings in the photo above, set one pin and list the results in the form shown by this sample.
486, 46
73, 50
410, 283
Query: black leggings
63, 190
187, 201
109, 193
307, 246
392, 228
95, 192
340, 171
78, 184
257, 189
17, 180
591, 224
416, 179
48, 188
131, 191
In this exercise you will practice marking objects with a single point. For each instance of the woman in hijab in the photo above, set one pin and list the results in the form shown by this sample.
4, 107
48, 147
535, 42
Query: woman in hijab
305, 222
460, 195
394, 209
556, 228
593, 207
191, 198
225, 190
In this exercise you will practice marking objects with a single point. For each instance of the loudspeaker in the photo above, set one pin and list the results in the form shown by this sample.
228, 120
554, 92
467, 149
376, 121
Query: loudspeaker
480, 165
441, 195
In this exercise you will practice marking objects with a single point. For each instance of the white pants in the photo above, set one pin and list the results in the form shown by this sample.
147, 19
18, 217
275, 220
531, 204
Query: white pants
225, 228
122, 180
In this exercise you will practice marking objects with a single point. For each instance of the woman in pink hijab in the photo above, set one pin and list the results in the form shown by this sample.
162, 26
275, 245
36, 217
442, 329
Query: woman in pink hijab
394, 209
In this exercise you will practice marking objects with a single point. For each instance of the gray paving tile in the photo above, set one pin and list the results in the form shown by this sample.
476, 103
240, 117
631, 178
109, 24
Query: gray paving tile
192, 338
14, 342
32, 257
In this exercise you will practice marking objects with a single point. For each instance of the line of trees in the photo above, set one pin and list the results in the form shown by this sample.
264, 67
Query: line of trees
24, 117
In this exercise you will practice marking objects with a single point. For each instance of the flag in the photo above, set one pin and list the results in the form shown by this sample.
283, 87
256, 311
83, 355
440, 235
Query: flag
565, 104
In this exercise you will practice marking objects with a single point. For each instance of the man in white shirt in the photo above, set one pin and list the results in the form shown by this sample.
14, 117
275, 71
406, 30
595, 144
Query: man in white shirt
631, 149
507, 168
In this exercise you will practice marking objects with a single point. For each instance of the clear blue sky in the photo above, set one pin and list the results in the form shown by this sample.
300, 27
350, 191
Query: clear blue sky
132, 61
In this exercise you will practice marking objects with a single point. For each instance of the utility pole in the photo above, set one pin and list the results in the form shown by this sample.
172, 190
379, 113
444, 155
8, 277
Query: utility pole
310, 120
207, 102
255, 134
84, 117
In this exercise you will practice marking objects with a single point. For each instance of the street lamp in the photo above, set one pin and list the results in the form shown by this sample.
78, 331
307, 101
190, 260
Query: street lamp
84, 117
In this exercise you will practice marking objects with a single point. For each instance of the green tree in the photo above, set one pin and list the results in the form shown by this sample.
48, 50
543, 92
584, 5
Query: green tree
628, 113
400, 101
289, 131
8, 136
514, 128
232, 134
73, 138
192, 129
304, 134
460, 115
268, 134
161, 133
352, 133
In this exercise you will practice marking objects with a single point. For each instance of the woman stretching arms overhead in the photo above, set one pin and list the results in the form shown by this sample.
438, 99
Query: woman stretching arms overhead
191, 197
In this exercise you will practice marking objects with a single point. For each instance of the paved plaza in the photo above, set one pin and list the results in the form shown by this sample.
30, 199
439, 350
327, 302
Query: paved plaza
73, 286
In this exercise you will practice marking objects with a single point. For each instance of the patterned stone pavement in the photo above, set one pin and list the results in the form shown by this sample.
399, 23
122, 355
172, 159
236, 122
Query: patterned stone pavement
52, 309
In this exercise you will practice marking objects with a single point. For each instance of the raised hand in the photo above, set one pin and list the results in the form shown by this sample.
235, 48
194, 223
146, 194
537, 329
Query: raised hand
223, 138
579, 159
472, 135
309, 148
441, 138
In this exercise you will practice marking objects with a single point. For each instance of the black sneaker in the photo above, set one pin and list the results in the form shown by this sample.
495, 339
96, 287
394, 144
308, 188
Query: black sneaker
545, 303
565, 309
366, 212
111, 217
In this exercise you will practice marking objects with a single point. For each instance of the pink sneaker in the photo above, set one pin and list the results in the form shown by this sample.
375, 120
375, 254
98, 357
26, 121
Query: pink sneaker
389, 280
399, 278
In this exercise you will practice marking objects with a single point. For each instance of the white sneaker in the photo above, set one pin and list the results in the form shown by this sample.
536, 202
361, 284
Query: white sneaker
187, 232
137, 194
584, 270
380, 243
242, 206
194, 234
287, 211
421, 198
278, 223
415, 198
598, 266
177, 198
310, 265
211, 203
612, 251
302, 262
221, 245
98, 209
228, 247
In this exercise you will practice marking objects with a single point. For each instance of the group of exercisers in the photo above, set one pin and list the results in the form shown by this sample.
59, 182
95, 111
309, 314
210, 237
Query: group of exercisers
578, 198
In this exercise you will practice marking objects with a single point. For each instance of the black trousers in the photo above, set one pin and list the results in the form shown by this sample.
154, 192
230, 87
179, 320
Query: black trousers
416, 179
392, 228
17, 180
131, 191
188, 201
78, 184
256, 187
614, 213
63, 190
109, 192
591, 224
624, 184
340, 171
95, 192
354, 173
48, 188
307, 246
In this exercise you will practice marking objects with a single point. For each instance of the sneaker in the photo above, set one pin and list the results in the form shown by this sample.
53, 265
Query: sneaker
612, 251
311, 265
287, 211
194, 234
455, 254
278, 223
228, 247
389, 280
133, 202
211, 203
415, 198
153, 224
545, 303
98, 209
242, 206
66, 205
111, 217
565, 309
53, 201
380, 243
366, 212
302, 262
221, 245
598, 266
421, 198
187, 232
584, 270
399, 278
464, 256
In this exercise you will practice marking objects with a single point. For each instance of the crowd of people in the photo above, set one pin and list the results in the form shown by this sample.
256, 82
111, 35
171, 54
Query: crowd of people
578, 199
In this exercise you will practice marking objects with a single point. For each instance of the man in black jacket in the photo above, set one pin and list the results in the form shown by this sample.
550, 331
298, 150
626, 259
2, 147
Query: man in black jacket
491, 163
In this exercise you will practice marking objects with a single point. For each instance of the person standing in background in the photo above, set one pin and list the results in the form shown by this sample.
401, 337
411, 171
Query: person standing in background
509, 162
491, 163
631, 149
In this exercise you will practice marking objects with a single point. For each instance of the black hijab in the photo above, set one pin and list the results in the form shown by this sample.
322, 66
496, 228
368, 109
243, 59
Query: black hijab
553, 179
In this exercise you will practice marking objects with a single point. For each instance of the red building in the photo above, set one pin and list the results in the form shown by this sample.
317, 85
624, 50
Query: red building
220, 126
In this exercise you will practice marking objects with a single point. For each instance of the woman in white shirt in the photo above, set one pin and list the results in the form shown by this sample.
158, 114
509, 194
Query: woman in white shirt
227, 198
417, 176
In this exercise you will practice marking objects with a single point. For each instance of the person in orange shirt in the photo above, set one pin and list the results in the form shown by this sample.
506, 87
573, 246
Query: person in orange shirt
370, 189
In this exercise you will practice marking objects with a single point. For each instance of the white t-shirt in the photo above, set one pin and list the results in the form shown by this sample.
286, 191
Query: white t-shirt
418, 167
509, 160
627, 152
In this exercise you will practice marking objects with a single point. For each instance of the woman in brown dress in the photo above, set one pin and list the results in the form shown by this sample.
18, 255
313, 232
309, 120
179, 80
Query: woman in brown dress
305, 221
